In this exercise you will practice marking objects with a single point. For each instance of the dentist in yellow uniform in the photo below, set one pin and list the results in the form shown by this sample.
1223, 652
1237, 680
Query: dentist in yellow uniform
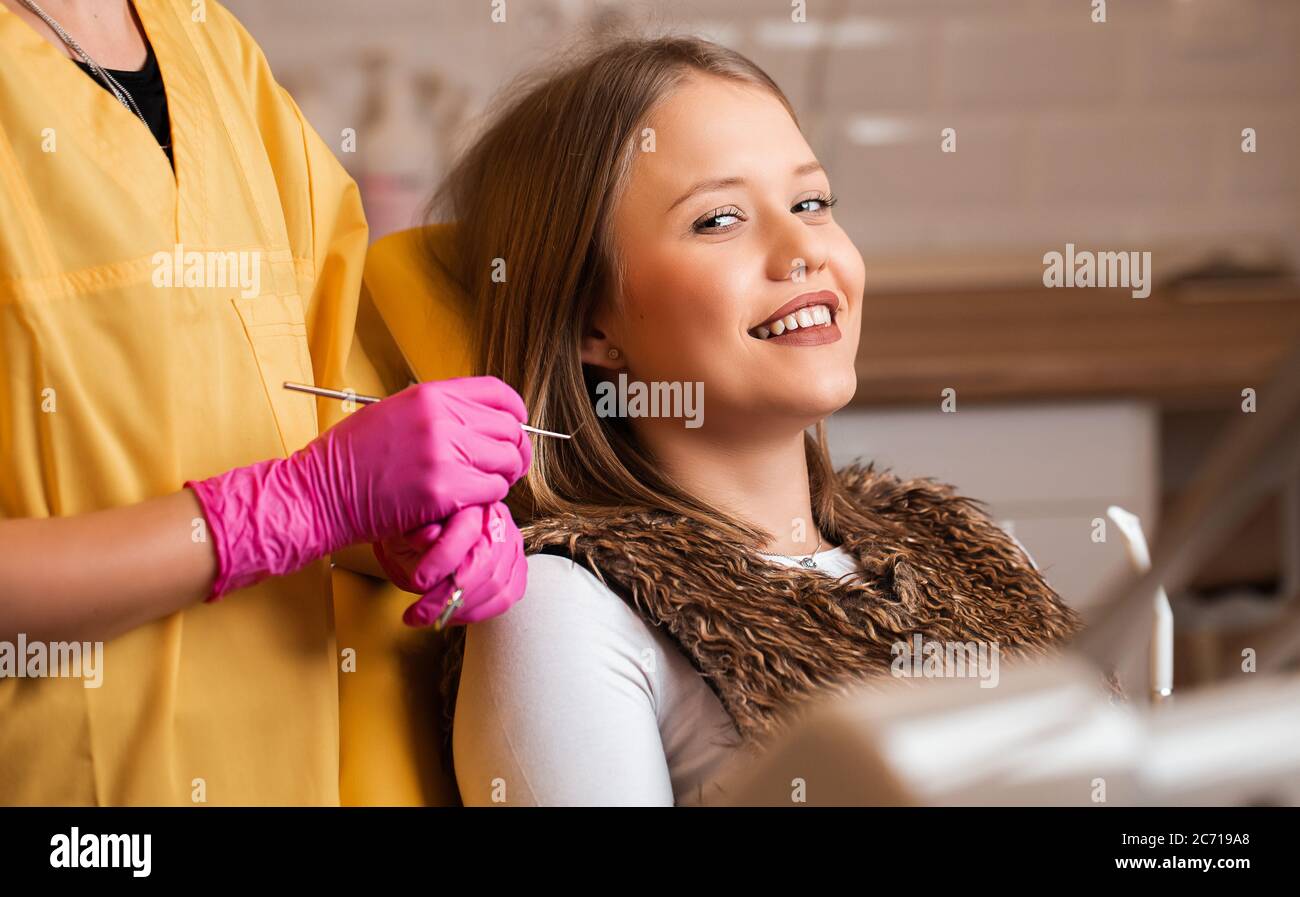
149, 458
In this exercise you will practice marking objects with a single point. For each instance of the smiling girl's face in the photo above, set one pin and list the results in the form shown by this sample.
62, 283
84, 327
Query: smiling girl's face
735, 273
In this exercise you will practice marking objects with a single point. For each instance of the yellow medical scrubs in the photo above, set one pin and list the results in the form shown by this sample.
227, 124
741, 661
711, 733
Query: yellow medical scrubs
115, 389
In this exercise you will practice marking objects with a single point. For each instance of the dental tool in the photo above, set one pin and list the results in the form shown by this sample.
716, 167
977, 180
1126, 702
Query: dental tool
347, 396
454, 603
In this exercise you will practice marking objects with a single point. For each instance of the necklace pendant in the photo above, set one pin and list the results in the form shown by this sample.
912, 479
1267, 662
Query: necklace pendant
808, 562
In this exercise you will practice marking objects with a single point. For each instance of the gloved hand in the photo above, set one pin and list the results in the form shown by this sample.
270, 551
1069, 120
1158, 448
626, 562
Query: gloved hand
389, 468
478, 548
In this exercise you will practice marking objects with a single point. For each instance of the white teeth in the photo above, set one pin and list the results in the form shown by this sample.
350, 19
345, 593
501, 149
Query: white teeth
809, 316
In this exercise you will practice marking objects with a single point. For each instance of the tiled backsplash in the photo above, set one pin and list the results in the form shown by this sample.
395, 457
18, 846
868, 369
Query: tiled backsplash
1123, 134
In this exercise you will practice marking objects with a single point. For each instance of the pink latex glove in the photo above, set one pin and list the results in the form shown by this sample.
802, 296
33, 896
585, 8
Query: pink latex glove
480, 546
389, 468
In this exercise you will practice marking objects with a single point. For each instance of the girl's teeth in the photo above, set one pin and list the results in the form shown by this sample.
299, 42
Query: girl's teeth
811, 316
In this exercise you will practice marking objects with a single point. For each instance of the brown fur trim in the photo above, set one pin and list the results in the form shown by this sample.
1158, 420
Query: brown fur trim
764, 636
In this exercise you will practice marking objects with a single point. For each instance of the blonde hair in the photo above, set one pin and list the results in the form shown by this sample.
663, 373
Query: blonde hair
535, 192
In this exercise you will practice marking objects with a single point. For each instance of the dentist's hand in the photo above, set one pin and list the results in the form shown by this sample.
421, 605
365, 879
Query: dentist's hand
390, 468
478, 549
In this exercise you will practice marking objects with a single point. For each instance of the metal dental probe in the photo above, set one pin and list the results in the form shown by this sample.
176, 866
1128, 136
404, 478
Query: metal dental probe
370, 400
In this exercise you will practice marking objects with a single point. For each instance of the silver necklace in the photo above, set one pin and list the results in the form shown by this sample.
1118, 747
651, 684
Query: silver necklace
123, 95
808, 561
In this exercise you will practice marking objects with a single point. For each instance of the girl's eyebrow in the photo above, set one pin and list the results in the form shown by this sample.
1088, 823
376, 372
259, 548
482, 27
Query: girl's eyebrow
715, 184
719, 183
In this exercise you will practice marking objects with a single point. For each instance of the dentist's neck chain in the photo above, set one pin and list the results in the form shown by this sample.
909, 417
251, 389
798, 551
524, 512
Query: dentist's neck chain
123, 95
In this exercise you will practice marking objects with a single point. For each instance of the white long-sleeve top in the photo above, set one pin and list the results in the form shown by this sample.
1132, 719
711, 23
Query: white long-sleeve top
570, 698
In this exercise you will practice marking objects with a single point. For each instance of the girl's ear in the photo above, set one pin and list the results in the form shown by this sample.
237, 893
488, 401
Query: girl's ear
600, 349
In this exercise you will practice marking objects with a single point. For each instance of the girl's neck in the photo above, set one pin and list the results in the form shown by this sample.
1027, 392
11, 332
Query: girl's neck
763, 482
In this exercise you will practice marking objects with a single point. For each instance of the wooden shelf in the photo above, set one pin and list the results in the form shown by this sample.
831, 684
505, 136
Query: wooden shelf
1180, 347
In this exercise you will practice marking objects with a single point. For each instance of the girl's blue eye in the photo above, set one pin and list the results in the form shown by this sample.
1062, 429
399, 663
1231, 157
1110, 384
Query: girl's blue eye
728, 218
822, 202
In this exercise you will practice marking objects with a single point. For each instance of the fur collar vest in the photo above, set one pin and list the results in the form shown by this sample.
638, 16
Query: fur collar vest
932, 563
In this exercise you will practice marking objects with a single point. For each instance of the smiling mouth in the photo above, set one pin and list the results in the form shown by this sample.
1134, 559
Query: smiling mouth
810, 317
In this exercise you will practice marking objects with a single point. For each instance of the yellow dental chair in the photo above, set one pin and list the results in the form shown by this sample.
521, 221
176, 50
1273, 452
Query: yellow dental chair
408, 328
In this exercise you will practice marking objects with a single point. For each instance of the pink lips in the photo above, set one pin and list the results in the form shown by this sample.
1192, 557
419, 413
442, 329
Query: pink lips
821, 297
811, 336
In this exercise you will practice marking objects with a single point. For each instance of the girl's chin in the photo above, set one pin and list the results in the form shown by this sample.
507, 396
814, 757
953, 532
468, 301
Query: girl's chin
798, 409
818, 393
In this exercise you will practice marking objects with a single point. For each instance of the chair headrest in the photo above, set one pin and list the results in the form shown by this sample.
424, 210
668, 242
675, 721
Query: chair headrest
421, 308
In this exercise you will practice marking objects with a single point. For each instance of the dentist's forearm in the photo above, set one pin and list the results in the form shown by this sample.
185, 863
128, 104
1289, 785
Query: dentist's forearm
96, 576
391, 468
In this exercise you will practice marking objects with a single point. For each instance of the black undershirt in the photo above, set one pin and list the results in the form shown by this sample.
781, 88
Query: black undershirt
146, 88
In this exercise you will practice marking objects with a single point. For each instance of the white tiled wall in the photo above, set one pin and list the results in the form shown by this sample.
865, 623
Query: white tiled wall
1122, 134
